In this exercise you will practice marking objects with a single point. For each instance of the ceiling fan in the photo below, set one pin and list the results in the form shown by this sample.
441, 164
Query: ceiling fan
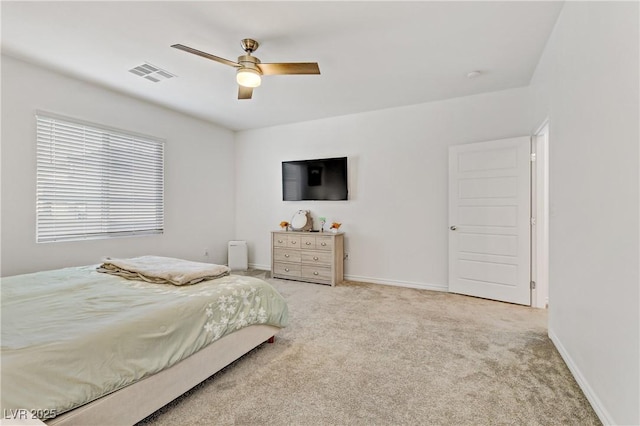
249, 68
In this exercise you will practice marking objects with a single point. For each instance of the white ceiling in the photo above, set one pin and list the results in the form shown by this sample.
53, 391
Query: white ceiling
372, 55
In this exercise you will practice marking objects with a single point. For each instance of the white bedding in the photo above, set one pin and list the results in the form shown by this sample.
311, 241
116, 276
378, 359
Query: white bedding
157, 269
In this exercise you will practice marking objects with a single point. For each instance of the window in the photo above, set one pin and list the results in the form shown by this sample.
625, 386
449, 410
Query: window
95, 182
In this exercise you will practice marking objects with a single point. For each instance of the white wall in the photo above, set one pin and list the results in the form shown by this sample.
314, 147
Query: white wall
587, 83
396, 219
199, 172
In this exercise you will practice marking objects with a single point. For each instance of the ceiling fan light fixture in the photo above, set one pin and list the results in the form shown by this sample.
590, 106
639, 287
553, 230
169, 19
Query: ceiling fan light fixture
248, 77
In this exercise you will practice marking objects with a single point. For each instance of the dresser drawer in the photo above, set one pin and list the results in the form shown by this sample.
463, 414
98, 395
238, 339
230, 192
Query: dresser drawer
279, 240
316, 272
316, 257
290, 269
286, 255
293, 241
308, 242
324, 243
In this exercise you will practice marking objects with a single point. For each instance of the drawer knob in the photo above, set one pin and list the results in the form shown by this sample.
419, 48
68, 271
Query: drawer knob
315, 257
279, 241
286, 255
286, 269
293, 242
315, 273
323, 244
308, 243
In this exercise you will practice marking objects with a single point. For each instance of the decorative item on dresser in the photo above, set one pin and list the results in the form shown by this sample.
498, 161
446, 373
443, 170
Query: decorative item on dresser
311, 257
302, 221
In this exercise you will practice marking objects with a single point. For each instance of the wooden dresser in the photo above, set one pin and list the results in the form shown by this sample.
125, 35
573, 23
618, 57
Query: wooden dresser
316, 257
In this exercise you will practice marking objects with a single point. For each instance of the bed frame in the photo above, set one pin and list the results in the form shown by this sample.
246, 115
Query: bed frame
133, 403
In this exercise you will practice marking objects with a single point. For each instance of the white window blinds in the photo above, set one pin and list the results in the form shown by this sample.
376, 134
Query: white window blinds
95, 182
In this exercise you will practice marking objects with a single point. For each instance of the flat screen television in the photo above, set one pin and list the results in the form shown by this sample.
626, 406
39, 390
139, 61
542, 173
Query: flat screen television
322, 179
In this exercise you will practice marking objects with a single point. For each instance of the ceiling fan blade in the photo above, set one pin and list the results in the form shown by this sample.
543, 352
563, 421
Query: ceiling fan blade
205, 55
244, 92
290, 68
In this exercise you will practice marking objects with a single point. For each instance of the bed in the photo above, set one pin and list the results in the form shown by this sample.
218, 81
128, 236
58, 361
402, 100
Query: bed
85, 347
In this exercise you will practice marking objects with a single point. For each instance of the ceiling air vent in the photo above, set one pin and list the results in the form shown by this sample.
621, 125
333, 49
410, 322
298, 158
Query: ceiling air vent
151, 73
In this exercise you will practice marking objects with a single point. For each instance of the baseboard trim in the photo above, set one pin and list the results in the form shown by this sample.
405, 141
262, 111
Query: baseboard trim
398, 283
593, 399
260, 267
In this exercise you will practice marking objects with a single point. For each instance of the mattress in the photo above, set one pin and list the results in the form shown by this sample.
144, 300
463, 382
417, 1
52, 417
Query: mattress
72, 335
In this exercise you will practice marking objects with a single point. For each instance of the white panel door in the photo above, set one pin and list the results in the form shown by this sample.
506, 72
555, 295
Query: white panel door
489, 219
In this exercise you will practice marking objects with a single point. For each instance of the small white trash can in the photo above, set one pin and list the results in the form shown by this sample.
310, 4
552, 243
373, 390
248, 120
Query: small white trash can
238, 256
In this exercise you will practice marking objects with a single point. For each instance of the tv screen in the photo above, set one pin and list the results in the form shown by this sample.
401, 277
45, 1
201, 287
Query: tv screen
322, 179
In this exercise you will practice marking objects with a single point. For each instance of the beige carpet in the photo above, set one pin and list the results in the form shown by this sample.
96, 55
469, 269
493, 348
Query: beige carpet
367, 354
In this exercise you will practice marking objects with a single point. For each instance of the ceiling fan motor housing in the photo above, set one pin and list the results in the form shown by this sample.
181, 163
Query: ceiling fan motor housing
248, 61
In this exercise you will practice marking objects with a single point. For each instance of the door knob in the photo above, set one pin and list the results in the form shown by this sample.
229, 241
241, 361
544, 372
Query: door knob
453, 227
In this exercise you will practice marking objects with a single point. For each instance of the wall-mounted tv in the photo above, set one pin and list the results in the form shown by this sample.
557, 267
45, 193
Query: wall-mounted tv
322, 179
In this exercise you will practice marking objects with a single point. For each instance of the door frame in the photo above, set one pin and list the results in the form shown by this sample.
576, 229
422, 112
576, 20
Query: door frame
540, 216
